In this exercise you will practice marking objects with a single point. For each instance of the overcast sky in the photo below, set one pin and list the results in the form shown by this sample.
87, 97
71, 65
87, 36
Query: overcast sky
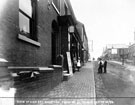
106, 21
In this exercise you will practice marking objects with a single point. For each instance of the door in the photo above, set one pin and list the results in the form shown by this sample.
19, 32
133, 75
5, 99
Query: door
55, 41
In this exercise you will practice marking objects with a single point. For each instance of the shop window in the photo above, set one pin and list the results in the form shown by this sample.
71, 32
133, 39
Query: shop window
27, 18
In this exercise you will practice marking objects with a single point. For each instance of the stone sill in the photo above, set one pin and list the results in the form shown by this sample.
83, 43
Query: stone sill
55, 66
26, 39
26, 69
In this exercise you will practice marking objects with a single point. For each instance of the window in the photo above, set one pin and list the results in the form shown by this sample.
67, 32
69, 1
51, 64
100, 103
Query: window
28, 18
57, 5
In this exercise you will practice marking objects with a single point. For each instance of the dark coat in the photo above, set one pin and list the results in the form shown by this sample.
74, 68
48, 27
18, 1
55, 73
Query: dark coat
105, 63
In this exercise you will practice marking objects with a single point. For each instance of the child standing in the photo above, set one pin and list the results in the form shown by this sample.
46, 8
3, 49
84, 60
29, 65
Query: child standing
78, 64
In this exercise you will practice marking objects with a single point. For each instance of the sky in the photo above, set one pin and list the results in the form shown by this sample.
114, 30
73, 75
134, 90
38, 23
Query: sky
106, 22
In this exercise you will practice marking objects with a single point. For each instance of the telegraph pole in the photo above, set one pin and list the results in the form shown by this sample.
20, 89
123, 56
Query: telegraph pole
123, 57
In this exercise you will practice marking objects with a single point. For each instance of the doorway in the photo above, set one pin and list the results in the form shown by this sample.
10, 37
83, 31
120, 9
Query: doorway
55, 41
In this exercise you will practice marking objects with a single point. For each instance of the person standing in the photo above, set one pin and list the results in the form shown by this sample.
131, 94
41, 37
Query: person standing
74, 64
79, 64
105, 66
100, 63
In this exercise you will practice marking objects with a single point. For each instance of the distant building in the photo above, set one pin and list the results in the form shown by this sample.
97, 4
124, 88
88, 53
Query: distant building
131, 56
116, 52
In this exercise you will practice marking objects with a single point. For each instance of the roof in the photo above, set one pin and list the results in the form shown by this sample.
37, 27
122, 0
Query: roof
81, 26
71, 10
116, 46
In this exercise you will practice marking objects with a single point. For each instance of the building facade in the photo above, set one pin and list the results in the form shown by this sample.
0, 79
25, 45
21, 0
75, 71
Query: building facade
131, 56
27, 32
34, 33
116, 52
29, 40
84, 50
72, 36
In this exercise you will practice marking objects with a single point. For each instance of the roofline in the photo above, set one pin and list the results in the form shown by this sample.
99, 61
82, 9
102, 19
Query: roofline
71, 10
83, 28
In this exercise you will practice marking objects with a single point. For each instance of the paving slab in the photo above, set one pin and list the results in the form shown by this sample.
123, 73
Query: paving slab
78, 90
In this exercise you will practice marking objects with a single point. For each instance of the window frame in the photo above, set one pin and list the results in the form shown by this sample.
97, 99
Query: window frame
30, 37
29, 18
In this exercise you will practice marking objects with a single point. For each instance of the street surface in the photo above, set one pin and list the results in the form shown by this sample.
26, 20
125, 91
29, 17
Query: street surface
78, 90
117, 86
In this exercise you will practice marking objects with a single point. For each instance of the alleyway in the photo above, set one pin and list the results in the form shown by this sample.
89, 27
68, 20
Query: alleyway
78, 90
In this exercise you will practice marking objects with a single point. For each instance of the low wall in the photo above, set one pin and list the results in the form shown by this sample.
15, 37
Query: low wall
39, 86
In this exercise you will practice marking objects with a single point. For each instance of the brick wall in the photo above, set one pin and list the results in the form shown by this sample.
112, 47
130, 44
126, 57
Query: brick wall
36, 87
20, 53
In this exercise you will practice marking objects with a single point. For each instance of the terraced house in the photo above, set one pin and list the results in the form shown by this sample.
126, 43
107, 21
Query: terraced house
39, 38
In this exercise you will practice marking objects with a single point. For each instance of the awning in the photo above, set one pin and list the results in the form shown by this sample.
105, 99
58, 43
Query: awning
66, 20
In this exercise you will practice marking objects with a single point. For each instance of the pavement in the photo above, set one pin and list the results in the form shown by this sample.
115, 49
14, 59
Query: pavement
127, 66
78, 90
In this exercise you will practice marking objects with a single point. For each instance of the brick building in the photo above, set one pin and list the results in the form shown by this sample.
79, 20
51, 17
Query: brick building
26, 34
29, 41
116, 52
33, 33
84, 42
131, 55
72, 34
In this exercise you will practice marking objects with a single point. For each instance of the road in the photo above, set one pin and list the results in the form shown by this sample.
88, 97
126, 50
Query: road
117, 86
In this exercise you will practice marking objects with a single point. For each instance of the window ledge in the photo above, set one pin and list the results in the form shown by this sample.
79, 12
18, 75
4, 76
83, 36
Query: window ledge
24, 38
55, 8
